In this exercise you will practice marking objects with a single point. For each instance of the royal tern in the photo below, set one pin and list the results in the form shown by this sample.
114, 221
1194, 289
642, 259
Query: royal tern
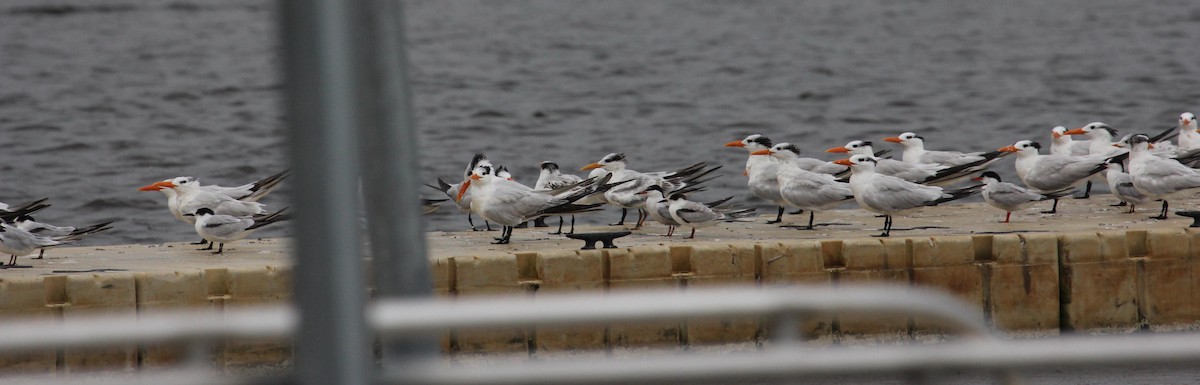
509, 203
889, 195
1052, 173
697, 215
451, 190
805, 189
27, 223
1120, 183
1063, 144
550, 178
923, 173
250, 192
217, 228
1158, 177
191, 197
658, 207
626, 196
1189, 133
915, 152
1010, 197
761, 172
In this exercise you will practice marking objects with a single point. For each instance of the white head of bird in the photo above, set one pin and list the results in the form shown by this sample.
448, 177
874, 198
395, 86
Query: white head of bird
859, 163
752, 143
177, 182
781, 151
480, 176
908, 139
1095, 130
1023, 148
1140, 143
988, 177
1188, 120
855, 147
1059, 133
611, 162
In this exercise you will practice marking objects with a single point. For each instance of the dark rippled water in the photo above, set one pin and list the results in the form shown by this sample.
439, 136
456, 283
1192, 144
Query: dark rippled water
98, 98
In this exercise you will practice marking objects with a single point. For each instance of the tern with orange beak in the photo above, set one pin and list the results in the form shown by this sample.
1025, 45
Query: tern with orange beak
1063, 144
805, 189
250, 192
190, 196
915, 152
889, 195
1189, 133
464, 202
762, 172
1052, 173
1158, 177
510, 203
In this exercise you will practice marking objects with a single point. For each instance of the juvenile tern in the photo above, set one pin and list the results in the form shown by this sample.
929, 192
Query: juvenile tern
217, 228
889, 195
509, 203
626, 195
697, 215
1120, 183
1010, 197
27, 223
805, 189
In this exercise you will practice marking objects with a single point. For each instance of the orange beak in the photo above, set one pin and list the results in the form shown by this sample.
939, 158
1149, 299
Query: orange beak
590, 167
893, 139
762, 152
844, 162
1077, 131
1149, 145
1008, 149
838, 150
736, 143
157, 186
1187, 122
463, 190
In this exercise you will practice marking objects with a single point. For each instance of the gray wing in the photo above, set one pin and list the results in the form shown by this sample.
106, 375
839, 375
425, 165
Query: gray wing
912, 172
952, 158
810, 190
1010, 196
894, 194
1161, 176
693, 212
45, 230
226, 226
1056, 172
511, 204
818, 166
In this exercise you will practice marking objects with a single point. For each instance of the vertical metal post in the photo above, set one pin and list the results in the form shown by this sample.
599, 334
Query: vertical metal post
388, 146
320, 61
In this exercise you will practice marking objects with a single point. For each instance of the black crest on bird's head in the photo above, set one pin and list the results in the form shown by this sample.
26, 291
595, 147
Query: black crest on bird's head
1035, 145
479, 157
610, 158
790, 147
204, 210
548, 165
760, 140
677, 196
1139, 138
990, 174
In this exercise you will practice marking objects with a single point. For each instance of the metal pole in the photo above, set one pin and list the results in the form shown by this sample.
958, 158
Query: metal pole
400, 267
319, 51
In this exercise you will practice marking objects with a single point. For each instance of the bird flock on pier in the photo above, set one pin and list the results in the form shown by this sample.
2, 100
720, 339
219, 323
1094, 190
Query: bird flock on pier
1138, 169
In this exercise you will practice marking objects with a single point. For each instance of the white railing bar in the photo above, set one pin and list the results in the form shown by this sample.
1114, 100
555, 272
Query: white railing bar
414, 317
151, 377
790, 363
419, 316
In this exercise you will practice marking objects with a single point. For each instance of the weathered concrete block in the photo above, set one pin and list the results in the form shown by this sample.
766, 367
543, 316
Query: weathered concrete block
1171, 292
570, 271
647, 267
1169, 244
1024, 297
864, 254
161, 291
24, 297
1113, 245
722, 264
257, 285
489, 275
1008, 249
791, 262
1099, 295
947, 264
89, 295
1040, 248
443, 276
1080, 247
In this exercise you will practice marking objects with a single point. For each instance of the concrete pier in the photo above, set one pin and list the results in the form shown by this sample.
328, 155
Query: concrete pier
1089, 268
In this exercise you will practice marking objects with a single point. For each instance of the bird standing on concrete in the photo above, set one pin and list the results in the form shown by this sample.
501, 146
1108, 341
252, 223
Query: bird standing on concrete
889, 195
219, 228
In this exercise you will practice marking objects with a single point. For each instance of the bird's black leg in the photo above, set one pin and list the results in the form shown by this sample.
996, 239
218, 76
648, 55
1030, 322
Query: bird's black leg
541, 222
1131, 209
1163, 214
622, 222
887, 226
1087, 191
778, 217
1053, 209
210, 245
488, 225
560, 223
641, 219
12, 261
472, 222
202, 241
572, 225
505, 235
693, 236
810, 219
220, 249
41, 253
